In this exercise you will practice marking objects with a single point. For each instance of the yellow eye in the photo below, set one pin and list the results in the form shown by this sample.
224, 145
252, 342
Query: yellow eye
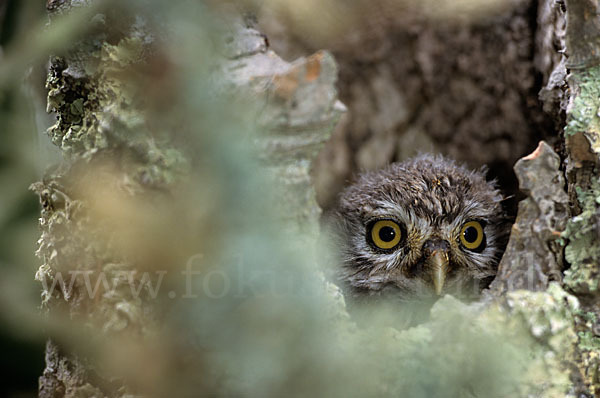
471, 235
386, 234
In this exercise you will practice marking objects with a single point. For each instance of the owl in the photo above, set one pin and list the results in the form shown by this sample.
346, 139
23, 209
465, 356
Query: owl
421, 228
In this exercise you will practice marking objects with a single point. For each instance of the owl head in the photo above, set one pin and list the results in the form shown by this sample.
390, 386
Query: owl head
423, 227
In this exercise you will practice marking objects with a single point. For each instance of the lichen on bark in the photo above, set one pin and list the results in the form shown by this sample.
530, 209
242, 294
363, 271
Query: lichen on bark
90, 272
582, 252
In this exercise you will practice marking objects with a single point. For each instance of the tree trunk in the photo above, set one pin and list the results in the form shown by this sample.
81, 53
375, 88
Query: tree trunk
153, 179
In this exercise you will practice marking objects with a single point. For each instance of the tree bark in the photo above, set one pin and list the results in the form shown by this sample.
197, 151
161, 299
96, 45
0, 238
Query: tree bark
119, 154
129, 200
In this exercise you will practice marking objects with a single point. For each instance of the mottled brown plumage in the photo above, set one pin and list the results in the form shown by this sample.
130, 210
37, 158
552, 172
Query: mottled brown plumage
445, 223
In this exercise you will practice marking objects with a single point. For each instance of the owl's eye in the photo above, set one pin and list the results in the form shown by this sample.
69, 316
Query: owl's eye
386, 234
471, 235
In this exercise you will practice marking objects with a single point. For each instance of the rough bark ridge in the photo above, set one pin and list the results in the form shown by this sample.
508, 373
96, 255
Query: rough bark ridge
533, 257
582, 133
551, 219
300, 110
108, 157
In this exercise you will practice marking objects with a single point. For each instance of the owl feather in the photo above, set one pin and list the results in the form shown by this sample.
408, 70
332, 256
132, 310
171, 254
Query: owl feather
423, 227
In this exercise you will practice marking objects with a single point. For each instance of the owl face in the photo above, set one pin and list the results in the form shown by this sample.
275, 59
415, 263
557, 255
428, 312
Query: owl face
424, 227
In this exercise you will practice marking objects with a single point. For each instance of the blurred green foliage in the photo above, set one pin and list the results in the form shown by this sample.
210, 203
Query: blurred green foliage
20, 163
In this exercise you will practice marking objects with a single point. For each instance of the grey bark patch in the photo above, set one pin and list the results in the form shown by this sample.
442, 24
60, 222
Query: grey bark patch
533, 256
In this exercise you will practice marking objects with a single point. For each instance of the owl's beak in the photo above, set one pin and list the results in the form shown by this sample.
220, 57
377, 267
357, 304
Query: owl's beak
438, 262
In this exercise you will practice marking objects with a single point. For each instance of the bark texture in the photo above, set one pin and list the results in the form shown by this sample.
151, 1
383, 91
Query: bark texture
534, 255
123, 184
555, 236
463, 87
